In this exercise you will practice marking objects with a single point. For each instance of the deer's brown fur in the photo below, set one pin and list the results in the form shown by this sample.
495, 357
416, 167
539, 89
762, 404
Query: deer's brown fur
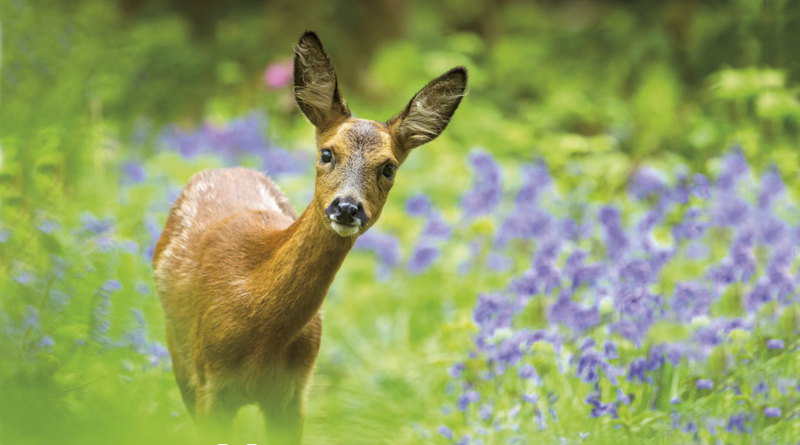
242, 279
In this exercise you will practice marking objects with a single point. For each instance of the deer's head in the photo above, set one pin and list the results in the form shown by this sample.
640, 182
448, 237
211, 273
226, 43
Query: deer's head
357, 159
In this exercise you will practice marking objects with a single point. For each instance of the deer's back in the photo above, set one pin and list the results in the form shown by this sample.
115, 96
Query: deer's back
207, 238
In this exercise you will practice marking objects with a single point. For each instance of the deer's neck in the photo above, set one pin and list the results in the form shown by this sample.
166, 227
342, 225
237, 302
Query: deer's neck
296, 277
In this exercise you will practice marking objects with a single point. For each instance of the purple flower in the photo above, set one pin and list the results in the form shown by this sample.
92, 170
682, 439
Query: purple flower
385, 246
599, 408
772, 412
700, 187
645, 183
498, 262
704, 384
589, 365
485, 412
423, 257
637, 369
457, 369
418, 205
48, 226
734, 166
610, 350
535, 177
736, 422
111, 286
278, 161
94, 225
573, 315
616, 241
493, 310
528, 371
771, 187
437, 228
775, 344
46, 342
469, 396
486, 190
445, 431
524, 224
134, 172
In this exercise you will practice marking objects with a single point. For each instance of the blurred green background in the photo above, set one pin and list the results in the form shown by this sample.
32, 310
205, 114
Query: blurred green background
88, 87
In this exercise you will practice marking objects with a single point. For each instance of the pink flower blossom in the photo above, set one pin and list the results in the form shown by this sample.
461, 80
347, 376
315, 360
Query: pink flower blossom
278, 74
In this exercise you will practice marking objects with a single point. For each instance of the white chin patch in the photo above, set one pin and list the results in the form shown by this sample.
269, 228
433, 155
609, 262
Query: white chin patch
345, 230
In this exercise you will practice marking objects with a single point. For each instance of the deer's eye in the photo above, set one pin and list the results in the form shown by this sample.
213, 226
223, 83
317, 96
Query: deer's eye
389, 170
325, 156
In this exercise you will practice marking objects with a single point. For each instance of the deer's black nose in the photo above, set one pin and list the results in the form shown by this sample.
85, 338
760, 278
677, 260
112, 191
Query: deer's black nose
346, 211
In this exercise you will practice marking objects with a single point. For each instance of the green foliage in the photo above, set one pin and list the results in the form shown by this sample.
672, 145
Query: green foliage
595, 89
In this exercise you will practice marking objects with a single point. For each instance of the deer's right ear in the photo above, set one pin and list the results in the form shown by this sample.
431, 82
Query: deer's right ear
315, 86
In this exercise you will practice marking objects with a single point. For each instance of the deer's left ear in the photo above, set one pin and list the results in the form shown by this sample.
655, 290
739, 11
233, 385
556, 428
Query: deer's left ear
315, 87
430, 110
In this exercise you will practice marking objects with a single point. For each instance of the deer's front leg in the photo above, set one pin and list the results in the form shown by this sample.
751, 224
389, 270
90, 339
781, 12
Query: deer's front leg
284, 421
214, 411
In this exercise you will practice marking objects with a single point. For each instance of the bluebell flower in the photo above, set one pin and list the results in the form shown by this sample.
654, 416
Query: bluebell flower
385, 246
761, 388
24, 277
46, 342
589, 364
422, 258
496, 261
525, 224
48, 226
700, 186
775, 343
469, 396
736, 422
486, 190
734, 166
704, 384
573, 315
730, 211
636, 370
4, 235
134, 172
616, 241
445, 431
622, 397
436, 228
690, 300
771, 187
485, 412
419, 205
772, 411
528, 372
457, 369
95, 225
691, 227
599, 408
645, 183
279, 161
525, 285
536, 177
493, 311
610, 350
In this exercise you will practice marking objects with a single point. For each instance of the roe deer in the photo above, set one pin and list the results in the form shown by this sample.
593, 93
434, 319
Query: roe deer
242, 279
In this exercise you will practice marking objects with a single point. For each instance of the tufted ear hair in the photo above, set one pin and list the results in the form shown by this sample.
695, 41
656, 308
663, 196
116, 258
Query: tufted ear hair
430, 110
315, 87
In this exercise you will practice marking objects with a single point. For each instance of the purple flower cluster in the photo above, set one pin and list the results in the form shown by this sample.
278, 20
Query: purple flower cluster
237, 139
630, 275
